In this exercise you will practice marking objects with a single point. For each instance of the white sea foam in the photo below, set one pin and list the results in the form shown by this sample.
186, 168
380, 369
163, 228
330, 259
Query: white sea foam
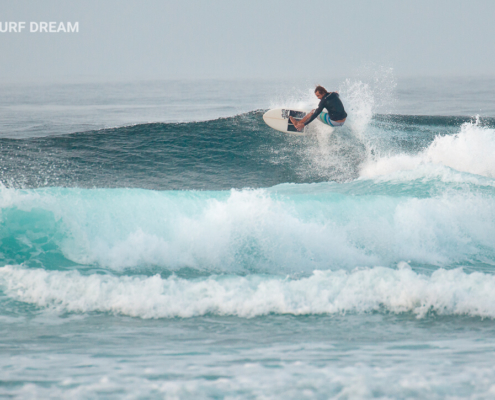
445, 292
293, 228
471, 150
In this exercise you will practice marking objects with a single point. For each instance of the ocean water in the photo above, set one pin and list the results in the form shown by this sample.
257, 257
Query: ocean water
159, 241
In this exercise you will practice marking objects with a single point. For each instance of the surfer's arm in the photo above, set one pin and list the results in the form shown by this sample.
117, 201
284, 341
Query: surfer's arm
314, 115
299, 124
306, 117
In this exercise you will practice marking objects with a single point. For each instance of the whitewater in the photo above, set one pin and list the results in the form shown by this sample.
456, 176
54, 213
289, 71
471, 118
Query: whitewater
150, 253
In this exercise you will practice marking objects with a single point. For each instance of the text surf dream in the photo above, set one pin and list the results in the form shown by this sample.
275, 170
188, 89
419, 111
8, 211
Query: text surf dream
39, 27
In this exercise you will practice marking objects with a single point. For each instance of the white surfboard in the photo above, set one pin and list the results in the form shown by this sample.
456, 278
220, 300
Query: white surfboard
279, 120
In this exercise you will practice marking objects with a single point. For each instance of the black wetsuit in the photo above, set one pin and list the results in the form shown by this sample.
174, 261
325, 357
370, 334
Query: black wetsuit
333, 105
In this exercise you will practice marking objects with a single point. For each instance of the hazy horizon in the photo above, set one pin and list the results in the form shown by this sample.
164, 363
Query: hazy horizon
129, 41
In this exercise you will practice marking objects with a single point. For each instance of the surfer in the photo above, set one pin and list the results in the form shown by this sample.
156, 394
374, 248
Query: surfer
331, 101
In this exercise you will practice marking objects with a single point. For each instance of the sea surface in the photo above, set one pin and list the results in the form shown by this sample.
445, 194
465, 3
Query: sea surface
159, 241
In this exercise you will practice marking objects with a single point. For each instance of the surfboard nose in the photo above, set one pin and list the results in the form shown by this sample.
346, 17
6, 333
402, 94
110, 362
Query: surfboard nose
264, 115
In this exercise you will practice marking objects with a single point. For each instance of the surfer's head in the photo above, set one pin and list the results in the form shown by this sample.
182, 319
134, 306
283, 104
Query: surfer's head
320, 91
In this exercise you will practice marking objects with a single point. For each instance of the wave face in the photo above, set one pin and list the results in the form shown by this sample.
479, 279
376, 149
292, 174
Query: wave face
240, 152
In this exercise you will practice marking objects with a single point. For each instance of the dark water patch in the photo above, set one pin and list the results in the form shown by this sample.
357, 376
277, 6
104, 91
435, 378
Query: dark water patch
219, 154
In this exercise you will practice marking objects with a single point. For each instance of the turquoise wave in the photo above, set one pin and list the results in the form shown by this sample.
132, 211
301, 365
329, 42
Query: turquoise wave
288, 228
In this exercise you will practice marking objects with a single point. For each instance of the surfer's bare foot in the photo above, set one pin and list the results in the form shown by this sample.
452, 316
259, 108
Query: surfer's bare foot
297, 124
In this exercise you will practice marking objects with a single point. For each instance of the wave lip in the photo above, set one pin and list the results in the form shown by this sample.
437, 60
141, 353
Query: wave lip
379, 289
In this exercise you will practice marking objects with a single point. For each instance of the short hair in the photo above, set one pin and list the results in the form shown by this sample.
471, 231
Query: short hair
320, 89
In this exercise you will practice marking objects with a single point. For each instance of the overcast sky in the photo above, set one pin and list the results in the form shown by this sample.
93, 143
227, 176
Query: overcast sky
165, 39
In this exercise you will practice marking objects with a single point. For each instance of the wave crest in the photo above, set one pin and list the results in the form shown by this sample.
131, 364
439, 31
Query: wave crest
377, 289
471, 150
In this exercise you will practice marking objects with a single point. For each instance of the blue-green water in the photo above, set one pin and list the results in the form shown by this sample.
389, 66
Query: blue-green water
221, 259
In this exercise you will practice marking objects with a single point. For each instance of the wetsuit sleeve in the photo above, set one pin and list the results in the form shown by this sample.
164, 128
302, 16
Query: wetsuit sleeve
316, 113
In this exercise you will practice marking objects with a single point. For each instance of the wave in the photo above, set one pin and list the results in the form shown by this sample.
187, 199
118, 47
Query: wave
377, 289
470, 150
241, 151
284, 229
225, 153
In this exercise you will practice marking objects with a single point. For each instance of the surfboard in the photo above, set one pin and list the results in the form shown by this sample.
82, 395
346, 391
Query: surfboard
279, 120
